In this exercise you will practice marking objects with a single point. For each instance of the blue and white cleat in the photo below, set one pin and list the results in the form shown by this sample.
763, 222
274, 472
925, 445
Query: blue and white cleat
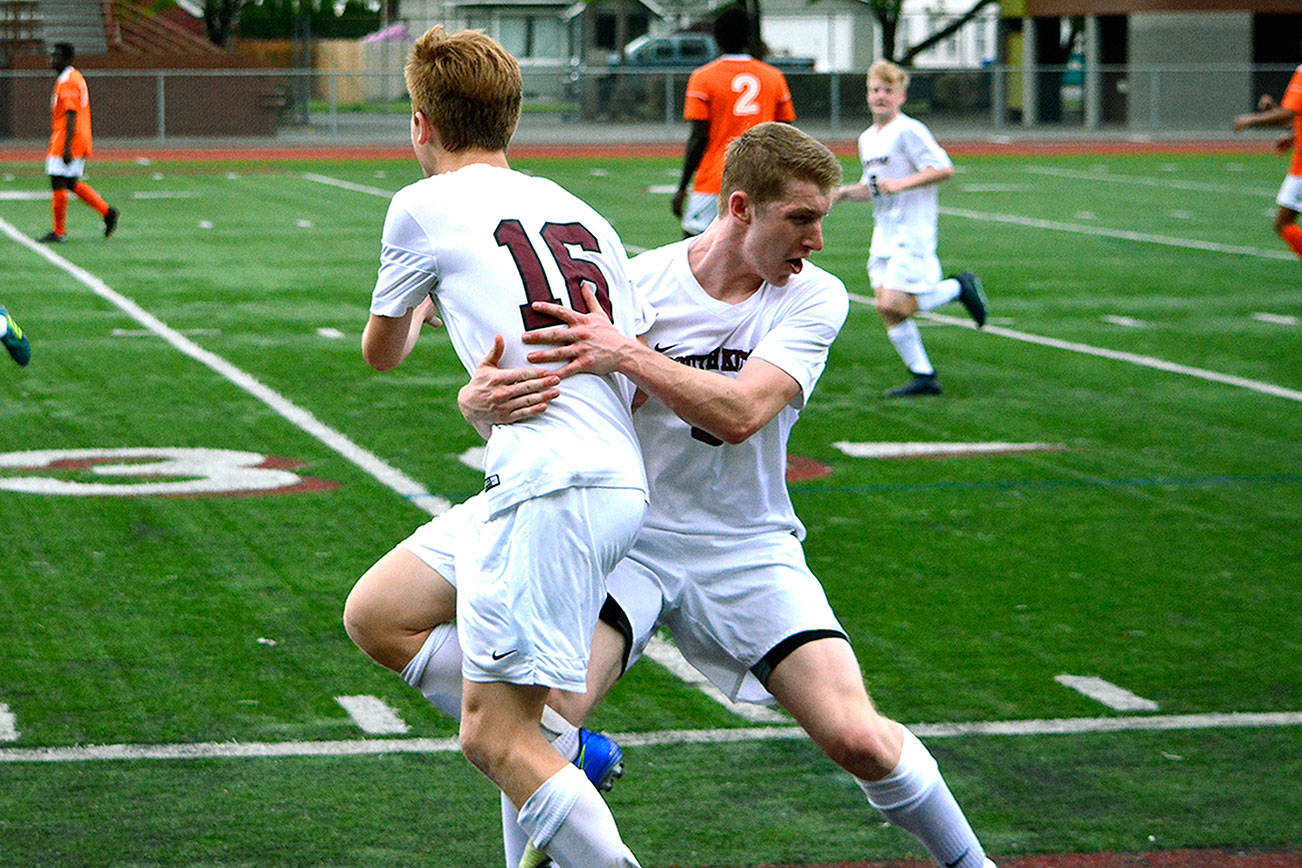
600, 759
18, 346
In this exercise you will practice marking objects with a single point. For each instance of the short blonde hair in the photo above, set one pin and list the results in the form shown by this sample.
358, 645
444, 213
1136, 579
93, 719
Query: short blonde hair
888, 72
763, 159
468, 87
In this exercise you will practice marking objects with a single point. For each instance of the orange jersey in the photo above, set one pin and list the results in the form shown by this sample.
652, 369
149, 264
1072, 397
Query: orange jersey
70, 95
1293, 100
734, 93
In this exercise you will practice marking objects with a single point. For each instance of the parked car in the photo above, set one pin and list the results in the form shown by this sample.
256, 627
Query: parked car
688, 51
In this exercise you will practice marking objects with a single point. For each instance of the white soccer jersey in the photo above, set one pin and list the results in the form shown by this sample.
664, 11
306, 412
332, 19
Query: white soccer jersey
489, 241
699, 484
904, 220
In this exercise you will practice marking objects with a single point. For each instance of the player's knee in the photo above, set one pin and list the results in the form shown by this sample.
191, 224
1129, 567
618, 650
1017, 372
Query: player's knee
481, 743
1283, 221
891, 311
864, 747
367, 632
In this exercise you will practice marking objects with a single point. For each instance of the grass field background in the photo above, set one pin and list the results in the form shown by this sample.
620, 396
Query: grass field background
1157, 547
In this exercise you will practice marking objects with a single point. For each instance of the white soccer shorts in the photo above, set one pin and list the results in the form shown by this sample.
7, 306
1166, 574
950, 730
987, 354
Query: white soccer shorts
532, 583
1290, 193
436, 541
58, 168
905, 270
727, 600
699, 212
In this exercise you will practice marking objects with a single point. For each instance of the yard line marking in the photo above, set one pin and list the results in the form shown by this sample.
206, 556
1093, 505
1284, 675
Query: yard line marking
166, 194
1114, 697
1116, 355
23, 195
939, 450
8, 724
1276, 319
372, 464
378, 746
1195, 186
671, 658
349, 185
373, 715
1122, 234
1125, 322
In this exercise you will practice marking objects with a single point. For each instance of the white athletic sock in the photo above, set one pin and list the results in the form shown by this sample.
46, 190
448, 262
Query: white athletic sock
908, 343
436, 670
915, 798
563, 735
567, 818
514, 838
943, 293
4, 326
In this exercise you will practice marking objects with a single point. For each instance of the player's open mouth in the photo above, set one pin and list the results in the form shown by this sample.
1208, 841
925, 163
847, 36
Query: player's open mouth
796, 264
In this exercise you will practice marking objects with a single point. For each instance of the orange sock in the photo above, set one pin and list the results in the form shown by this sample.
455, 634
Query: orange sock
1292, 235
59, 207
87, 194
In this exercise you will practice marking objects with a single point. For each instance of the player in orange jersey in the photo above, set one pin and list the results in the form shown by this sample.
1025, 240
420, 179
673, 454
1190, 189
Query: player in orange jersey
70, 146
1272, 114
725, 97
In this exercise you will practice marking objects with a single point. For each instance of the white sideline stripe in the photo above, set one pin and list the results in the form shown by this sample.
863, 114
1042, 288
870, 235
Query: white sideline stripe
1276, 318
1135, 180
1116, 355
349, 185
373, 715
913, 450
1114, 697
8, 724
370, 463
1123, 234
671, 658
373, 747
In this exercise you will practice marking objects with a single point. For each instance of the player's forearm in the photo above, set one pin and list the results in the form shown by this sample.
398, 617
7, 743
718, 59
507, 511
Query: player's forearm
69, 133
710, 401
929, 175
1274, 117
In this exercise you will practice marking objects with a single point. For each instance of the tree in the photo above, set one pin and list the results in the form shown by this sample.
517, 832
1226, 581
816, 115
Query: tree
219, 19
887, 13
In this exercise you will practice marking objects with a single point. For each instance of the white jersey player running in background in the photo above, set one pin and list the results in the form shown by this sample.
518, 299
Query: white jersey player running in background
564, 492
743, 329
902, 164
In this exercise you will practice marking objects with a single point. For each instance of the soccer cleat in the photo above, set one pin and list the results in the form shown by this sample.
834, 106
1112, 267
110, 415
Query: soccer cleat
972, 297
52, 238
110, 222
17, 344
921, 384
600, 759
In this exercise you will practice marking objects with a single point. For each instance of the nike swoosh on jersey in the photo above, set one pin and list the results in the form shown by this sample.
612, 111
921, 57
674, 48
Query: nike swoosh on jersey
503, 655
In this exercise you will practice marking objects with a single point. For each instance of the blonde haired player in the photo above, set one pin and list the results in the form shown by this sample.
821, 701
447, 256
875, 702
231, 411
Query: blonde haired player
742, 333
1287, 111
564, 492
902, 164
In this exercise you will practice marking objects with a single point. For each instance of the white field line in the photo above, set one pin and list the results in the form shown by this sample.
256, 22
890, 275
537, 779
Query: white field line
373, 715
1134, 180
1122, 234
367, 461
887, 450
671, 658
349, 185
1114, 697
8, 724
372, 747
1116, 355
